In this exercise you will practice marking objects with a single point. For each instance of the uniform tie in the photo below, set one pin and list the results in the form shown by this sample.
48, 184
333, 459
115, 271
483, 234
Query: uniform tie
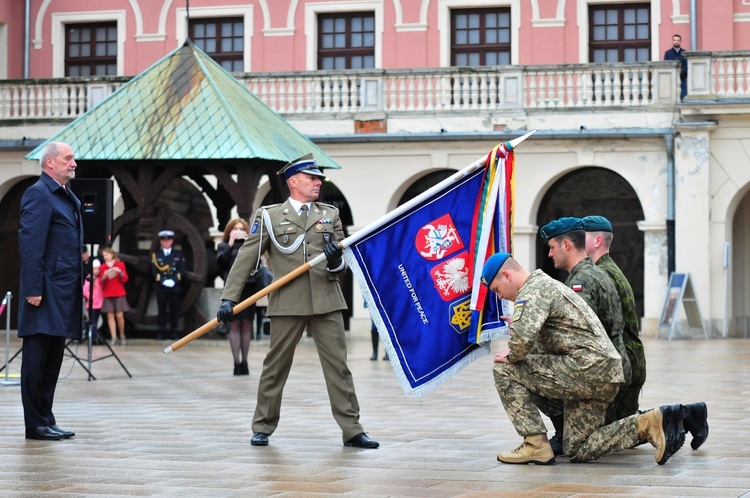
303, 213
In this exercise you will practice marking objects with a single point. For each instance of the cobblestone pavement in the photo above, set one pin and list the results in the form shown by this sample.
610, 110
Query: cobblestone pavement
181, 427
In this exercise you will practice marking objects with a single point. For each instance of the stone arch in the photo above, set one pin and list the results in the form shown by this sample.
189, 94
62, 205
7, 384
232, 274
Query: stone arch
596, 190
738, 235
10, 270
418, 184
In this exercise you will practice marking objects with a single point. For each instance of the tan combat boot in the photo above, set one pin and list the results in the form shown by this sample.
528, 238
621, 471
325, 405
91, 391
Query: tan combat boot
662, 427
534, 449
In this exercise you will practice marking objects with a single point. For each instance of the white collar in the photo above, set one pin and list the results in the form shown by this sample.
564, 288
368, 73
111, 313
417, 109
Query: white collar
297, 205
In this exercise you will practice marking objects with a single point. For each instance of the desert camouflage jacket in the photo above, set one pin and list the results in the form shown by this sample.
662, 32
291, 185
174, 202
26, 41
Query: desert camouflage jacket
549, 318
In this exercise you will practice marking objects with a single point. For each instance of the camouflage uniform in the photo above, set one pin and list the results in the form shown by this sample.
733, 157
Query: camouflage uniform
559, 350
628, 405
598, 291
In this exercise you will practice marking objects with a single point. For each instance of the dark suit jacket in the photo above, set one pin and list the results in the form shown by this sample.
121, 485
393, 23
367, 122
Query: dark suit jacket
50, 241
673, 55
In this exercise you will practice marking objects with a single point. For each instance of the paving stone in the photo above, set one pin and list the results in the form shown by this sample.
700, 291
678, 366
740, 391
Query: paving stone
181, 427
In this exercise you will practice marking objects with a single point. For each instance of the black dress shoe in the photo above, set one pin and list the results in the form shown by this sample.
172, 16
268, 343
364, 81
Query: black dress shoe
66, 434
43, 433
695, 420
259, 439
362, 441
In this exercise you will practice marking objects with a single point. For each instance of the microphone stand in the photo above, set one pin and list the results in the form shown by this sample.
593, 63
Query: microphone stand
90, 327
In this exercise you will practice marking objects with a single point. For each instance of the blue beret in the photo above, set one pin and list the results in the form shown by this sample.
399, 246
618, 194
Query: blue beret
492, 266
596, 224
305, 164
559, 227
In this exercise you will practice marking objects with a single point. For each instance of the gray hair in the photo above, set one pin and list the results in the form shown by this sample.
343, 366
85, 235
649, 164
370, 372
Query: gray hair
49, 150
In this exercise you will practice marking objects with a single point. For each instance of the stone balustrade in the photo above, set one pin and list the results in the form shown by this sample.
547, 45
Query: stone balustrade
469, 90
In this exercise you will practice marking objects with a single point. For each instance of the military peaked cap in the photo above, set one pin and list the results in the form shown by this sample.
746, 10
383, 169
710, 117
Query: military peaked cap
305, 164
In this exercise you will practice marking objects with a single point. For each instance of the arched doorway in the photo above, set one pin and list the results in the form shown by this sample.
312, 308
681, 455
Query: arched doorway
424, 183
599, 191
740, 322
10, 270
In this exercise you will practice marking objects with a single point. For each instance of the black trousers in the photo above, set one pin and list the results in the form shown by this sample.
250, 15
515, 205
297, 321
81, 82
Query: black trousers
169, 313
40, 368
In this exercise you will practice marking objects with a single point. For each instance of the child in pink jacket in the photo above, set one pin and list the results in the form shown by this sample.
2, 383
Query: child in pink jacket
97, 298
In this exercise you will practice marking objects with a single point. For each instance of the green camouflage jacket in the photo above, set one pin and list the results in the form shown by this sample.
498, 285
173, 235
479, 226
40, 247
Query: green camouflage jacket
597, 290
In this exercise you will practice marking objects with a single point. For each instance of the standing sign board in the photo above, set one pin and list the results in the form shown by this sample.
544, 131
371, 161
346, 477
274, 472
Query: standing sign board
680, 290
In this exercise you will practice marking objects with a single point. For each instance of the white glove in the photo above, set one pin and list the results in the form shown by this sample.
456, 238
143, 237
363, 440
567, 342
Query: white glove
168, 283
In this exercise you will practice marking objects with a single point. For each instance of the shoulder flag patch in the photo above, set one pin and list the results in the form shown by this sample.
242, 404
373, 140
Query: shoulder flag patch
577, 287
518, 310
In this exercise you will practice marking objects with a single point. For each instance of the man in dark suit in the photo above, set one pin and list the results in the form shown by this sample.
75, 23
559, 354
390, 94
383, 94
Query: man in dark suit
676, 53
293, 233
50, 241
167, 265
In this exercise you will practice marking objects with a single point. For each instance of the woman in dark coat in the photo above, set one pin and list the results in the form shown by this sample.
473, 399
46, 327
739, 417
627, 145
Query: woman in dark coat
241, 329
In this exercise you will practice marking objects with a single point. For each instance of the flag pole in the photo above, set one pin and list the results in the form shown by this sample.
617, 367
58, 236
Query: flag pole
348, 241
390, 216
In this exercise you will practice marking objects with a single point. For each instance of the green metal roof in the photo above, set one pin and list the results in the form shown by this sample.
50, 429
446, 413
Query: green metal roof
186, 106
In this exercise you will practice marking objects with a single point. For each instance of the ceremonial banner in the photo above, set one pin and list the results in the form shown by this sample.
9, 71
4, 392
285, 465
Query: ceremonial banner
418, 268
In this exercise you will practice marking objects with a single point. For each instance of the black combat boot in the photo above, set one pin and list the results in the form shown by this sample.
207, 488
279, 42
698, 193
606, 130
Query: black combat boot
557, 440
695, 420
662, 427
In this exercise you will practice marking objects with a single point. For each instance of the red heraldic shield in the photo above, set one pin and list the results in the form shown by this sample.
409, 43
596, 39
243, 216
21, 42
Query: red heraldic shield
451, 277
438, 239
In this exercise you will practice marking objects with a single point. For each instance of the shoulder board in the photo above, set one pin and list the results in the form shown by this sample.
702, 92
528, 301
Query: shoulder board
269, 206
326, 205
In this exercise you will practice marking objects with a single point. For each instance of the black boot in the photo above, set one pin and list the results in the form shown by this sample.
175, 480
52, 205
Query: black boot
663, 428
238, 369
245, 369
695, 420
557, 440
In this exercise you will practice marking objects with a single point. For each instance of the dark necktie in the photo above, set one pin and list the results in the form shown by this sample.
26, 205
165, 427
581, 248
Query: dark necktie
303, 213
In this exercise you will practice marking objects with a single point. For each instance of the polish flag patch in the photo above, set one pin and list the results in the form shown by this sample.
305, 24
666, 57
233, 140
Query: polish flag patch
577, 287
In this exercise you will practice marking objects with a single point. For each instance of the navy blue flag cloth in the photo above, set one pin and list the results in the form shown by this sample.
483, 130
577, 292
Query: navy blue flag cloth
416, 273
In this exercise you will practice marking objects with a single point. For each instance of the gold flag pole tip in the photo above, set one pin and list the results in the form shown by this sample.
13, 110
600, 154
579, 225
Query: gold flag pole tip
168, 350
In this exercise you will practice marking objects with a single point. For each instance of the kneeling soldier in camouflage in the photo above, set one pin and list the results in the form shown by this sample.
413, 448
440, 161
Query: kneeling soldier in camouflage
558, 348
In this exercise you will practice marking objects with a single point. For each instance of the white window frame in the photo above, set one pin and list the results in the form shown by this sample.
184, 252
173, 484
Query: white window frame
444, 24
57, 40
245, 12
583, 26
311, 26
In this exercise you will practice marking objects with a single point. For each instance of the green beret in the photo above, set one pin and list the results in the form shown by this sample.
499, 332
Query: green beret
559, 227
596, 224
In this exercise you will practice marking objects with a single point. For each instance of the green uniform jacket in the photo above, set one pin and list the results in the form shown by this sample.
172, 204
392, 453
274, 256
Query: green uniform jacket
597, 290
551, 319
315, 292
631, 331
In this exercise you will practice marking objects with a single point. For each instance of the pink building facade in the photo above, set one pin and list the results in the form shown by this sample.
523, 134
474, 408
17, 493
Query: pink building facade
281, 35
